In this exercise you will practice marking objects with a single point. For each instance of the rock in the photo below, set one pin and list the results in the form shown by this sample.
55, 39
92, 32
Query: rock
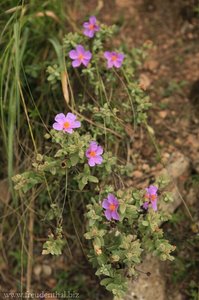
37, 270
125, 4
148, 287
151, 65
163, 114
144, 81
178, 171
145, 167
137, 174
47, 271
191, 197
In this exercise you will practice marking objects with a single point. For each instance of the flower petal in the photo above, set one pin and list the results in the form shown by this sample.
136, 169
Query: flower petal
89, 33
111, 198
108, 214
73, 54
71, 117
110, 64
152, 189
88, 153
117, 63
115, 215
154, 205
87, 55
120, 56
60, 118
92, 20
91, 162
93, 146
86, 24
58, 126
145, 205
105, 204
99, 150
97, 27
69, 130
98, 160
76, 63
85, 62
80, 49
76, 124
107, 54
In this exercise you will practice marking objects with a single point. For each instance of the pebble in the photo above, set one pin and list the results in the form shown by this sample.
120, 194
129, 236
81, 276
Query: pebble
37, 270
137, 174
47, 271
163, 114
145, 167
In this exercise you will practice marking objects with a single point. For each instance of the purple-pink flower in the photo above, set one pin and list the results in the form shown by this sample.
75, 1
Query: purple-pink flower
114, 59
93, 153
111, 205
152, 197
91, 27
80, 56
66, 123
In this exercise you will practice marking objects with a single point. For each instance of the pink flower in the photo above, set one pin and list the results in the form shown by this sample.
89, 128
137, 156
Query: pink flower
114, 59
111, 205
91, 27
93, 153
80, 56
152, 197
66, 123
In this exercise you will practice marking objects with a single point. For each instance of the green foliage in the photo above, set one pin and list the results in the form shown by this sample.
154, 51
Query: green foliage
54, 245
108, 101
174, 87
119, 246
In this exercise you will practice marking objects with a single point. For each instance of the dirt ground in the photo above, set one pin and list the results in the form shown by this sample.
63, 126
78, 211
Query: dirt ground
171, 77
170, 74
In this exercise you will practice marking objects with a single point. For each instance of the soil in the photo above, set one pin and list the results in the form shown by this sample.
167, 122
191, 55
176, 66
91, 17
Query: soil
171, 77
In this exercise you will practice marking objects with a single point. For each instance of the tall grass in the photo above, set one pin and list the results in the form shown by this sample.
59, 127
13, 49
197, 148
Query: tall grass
26, 28
24, 46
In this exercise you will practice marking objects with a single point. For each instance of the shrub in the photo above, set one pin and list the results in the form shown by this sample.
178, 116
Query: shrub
84, 163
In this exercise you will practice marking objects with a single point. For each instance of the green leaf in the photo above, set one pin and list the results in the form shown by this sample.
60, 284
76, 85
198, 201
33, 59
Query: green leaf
74, 160
97, 242
123, 208
106, 281
53, 247
85, 180
81, 185
86, 169
145, 223
93, 179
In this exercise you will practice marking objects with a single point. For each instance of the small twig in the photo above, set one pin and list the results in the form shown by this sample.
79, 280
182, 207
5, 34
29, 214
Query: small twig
30, 244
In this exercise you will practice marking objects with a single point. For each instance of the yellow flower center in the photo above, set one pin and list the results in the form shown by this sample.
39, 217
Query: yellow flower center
66, 125
91, 27
153, 197
92, 154
114, 58
81, 56
112, 207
